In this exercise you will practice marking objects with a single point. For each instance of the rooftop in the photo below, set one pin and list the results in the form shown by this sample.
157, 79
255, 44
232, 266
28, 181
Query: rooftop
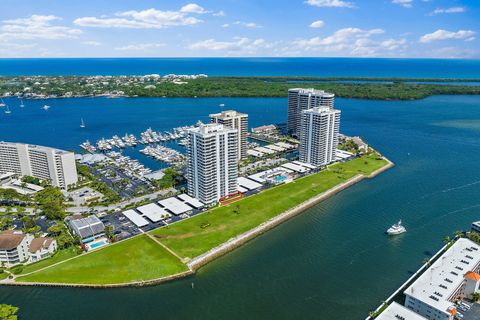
313, 91
440, 281
227, 114
175, 206
211, 128
39, 243
396, 311
10, 239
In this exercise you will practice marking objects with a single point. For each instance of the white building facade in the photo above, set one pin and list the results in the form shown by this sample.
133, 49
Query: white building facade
300, 99
451, 277
54, 165
319, 135
14, 247
212, 160
236, 120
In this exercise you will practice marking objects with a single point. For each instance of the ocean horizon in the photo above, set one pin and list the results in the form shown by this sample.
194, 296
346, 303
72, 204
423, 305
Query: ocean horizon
261, 66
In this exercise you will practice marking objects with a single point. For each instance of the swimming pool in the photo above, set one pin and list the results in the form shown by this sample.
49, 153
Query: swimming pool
97, 244
279, 178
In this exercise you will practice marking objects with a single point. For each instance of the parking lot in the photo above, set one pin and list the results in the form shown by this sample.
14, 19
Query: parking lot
125, 185
122, 227
472, 314
82, 195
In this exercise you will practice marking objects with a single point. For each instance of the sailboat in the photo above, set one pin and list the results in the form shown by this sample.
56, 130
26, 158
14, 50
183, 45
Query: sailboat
21, 103
82, 124
7, 110
2, 103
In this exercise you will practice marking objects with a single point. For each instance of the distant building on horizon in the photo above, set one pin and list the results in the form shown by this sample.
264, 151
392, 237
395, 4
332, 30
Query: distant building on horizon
236, 120
54, 165
212, 162
300, 99
319, 135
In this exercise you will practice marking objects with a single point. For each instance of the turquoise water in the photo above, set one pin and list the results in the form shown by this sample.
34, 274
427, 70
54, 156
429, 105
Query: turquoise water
279, 178
97, 244
322, 67
333, 261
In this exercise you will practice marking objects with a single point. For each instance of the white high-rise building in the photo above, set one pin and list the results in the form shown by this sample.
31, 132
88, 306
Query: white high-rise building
319, 135
236, 120
54, 165
303, 99
212, 159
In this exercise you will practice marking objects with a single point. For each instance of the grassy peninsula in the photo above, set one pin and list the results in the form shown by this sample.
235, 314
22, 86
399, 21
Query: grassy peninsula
144, 258
154, 86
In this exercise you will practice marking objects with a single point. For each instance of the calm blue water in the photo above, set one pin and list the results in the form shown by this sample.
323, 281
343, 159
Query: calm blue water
60, 126
322, 67
331, 262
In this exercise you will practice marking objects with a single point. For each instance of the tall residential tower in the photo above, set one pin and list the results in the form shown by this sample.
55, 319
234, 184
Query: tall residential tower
236, 120
319, 135
54, 165
303, 99
212, 160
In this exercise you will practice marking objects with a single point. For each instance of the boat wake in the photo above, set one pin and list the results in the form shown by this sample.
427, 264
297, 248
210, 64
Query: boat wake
451, 189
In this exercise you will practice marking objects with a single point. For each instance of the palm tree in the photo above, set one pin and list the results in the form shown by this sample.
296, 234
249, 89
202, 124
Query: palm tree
426, 260
447, 239
459, 233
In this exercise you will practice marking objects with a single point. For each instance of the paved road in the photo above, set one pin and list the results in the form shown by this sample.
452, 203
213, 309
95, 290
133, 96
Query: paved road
150, 196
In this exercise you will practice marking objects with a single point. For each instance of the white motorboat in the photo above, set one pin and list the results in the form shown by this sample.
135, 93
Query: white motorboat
397, 228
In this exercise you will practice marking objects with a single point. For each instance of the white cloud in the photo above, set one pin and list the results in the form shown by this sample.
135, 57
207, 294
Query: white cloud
238, 45
220, 13
351, 42
448, 10
317, 24
342, 36
145, 19
454, 53
247, 24
193, 8
225, 25
467, 35
92, 43
403, 3
36, 27
140, 47
330, 3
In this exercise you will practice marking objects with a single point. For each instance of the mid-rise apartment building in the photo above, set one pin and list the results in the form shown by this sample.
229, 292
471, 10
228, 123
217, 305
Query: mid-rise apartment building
54, 165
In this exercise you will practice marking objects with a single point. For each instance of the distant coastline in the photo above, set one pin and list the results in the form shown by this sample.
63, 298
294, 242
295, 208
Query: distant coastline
199, 86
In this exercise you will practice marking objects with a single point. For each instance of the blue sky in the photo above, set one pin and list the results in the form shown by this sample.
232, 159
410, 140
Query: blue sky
319, 28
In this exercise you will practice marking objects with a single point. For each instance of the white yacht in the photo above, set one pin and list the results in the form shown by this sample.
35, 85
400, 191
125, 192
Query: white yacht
397, 228
46, 107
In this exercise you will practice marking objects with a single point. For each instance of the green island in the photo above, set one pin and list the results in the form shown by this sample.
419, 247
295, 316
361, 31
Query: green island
165, 252
148, 86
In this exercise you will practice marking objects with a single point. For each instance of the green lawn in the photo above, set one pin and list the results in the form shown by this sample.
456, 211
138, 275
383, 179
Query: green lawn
136, 259
60, 255
194, 236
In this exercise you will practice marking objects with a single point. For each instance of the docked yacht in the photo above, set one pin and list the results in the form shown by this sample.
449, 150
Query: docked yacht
397, 228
